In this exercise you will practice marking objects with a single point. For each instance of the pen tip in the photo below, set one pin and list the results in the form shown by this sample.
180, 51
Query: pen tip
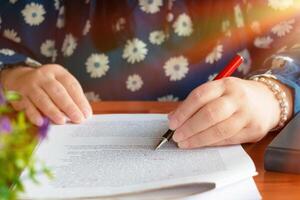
157, 147
160, 144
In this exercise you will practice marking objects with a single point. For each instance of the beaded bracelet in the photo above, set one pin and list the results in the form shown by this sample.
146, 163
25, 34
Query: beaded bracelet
278, 93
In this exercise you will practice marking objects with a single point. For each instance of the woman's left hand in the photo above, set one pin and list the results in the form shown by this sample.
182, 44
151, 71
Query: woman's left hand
226, 111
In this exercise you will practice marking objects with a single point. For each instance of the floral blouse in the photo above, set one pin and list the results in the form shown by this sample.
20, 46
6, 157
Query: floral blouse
155, 63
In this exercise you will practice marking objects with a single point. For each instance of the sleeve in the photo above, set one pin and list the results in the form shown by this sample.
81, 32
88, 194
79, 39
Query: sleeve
27, 32
274, 43
286, 67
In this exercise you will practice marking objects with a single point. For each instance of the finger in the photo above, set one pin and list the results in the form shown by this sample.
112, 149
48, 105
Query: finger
170, 114
75, 91
195, 100
246, 135
63, 101
18, 105
209, 115
33, 114
239, 138
43, 102
220, 132
226, 142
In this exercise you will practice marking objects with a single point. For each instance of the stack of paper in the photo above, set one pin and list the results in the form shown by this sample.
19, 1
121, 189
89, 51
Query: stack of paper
113, 157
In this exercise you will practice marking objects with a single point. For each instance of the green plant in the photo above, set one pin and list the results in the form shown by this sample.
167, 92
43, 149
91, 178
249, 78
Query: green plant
18, 139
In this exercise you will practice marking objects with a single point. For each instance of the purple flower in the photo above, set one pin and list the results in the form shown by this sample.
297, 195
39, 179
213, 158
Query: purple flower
43, 129
5, 125
2, 97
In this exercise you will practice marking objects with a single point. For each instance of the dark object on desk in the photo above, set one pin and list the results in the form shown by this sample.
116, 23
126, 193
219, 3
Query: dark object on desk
283, 153
165, 138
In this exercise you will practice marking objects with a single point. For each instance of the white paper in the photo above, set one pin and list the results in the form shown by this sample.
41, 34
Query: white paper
114, 154
242, 190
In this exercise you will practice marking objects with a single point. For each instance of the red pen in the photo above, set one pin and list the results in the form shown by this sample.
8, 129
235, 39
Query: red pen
227, 71
231, 67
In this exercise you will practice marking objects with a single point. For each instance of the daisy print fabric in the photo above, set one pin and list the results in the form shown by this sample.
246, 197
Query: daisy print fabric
69, 45
48, 49
176, 68
158, 50
11, 35
215, 55
183, 25
283, 28
134, 82
150, 6
34, 14
157, 37
97, 65
135, 50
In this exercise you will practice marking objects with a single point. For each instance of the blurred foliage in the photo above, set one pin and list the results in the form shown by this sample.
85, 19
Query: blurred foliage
18, 140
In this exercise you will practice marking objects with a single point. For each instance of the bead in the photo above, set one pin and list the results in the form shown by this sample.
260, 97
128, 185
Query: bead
280, 96
285, 108
284, 104
284, 118
275, 88
284, 112
281, 102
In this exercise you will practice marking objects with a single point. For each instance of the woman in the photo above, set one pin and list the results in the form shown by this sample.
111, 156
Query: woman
156, 50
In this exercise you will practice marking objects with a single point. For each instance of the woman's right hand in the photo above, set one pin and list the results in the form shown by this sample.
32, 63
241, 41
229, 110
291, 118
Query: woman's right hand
50, 91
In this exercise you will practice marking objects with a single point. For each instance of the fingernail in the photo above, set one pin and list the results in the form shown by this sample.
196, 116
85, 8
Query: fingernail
60, 119
183, 145
39, 121
170, 115
178, 136
173, 123
77, 118
87, 113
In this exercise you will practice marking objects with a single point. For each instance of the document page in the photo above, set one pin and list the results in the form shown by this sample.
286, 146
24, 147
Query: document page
114, 154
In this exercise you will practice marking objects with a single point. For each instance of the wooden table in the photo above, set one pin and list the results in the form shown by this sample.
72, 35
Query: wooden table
270, 184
